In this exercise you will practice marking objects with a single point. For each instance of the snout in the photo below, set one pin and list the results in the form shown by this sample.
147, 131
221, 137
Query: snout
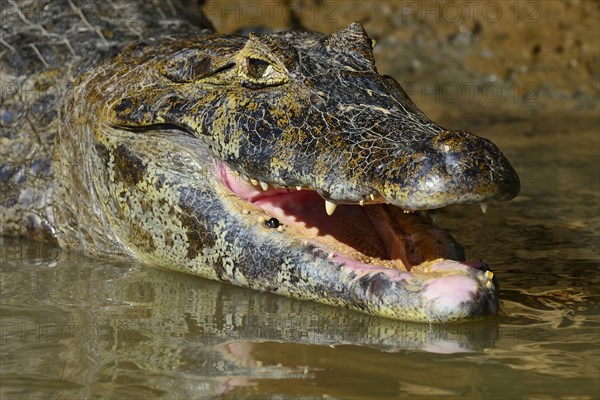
455, 167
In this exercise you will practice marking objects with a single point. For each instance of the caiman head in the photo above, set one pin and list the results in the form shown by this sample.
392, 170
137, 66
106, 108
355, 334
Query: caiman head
284, 162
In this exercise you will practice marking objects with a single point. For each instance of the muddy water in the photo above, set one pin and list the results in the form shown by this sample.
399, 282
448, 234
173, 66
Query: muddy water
78, 328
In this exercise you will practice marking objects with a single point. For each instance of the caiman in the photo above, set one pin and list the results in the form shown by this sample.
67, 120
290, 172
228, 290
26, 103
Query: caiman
281, 162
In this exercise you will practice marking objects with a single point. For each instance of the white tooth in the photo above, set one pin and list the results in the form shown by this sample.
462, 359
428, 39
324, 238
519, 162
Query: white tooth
489, 275
280, 228
362, 202
264, 186
245, 212
483, 207
330, 207
330, 256
372, 196
254, 182
298, 188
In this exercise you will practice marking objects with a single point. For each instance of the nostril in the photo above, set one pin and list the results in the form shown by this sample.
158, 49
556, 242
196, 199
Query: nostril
452, 165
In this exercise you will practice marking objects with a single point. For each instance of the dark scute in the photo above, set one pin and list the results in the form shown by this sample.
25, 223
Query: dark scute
123, 106
375, 284
6, 172
128, 167
188, 67
41, 167
194, 203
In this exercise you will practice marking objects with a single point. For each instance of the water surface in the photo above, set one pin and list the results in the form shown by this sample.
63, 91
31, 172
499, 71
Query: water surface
78, 328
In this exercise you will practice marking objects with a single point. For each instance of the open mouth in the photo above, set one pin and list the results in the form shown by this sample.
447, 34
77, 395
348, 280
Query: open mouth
359, 236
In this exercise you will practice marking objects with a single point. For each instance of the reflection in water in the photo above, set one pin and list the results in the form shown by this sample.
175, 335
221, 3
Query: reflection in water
73, 327
114, 321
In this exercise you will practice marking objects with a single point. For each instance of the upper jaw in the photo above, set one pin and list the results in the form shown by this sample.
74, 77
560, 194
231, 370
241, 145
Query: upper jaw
414, 171
455, 168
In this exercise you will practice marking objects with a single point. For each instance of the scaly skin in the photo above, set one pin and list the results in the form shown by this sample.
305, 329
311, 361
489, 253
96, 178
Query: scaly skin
158, 136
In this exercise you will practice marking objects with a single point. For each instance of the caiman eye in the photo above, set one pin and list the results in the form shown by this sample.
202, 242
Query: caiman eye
257, 68
259, 73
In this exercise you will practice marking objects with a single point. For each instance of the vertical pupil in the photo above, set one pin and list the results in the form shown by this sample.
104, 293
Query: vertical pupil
256, 67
